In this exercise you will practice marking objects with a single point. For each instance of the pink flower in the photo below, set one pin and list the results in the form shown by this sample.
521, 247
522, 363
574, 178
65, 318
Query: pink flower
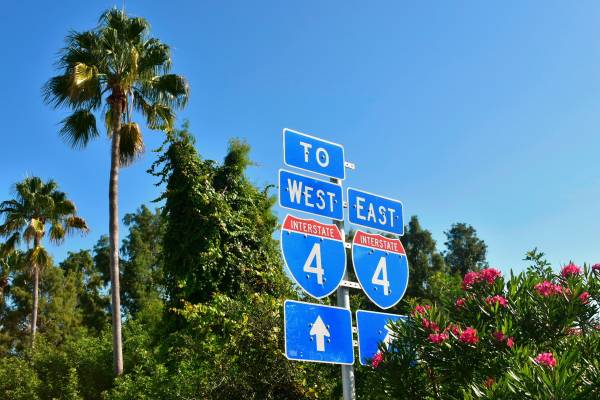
420, 310
497, 299
469, 336
489, 275
427, 324
460, 302
584, 297
569, 270
499, 336
470, 279
377, 360
510, 342
547, 289
596, 267
437, 338
454, 329
545, 360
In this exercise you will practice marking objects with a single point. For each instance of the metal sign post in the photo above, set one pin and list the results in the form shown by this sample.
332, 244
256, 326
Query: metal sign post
343, 300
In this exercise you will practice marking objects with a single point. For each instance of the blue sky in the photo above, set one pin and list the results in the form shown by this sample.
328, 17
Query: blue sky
477, 112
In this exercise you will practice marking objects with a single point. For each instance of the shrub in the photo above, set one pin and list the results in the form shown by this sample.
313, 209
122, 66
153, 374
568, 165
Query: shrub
535, 336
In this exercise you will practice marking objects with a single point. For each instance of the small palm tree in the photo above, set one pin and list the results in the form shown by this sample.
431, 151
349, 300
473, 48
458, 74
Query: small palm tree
119, 66
36, 205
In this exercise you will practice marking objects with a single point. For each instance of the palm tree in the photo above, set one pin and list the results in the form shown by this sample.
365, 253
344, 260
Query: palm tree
119, 65
37, 204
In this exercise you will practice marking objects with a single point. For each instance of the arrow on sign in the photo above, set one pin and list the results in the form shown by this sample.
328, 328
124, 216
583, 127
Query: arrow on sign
320, 331
388, 336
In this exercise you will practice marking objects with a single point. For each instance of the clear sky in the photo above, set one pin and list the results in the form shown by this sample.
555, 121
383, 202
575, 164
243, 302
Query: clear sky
467, 111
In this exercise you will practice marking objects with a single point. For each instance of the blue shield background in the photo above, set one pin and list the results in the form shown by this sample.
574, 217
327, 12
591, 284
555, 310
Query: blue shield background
372, 331
296, 248
365, 260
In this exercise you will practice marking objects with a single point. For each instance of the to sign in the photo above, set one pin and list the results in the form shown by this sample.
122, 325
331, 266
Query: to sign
381, 267
313, 154
314, 254
313, 196
373, 211
318, 333
373, 330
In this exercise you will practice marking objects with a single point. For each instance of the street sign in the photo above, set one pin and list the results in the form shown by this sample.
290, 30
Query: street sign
314, 254
313, 154
381, 267
318, 333
310, 195
373, 211
373, 329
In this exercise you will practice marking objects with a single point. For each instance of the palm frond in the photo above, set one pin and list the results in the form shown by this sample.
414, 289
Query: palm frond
155, 58
74, 223
39, 256
10, 206
77, 88
170, 89
79, 128
158, 116
132, 143
11, 243
34, 230
57, 233
12, 224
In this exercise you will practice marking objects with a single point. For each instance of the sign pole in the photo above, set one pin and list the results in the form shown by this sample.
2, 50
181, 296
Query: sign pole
343, 300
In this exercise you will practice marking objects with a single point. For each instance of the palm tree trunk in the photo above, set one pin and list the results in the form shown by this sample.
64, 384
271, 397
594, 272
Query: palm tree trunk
113, 230
36, 284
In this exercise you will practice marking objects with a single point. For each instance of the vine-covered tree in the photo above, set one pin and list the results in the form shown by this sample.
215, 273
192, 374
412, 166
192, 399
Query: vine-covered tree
119, 68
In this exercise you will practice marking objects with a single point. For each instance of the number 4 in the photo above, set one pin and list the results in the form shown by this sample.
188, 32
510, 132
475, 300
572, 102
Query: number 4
380, 276
315, 253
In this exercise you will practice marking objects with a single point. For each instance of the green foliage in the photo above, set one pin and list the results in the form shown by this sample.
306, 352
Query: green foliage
465, 251
423, 258
142, 269
230, 349
18, 379
537, 312
218, 235
92, 300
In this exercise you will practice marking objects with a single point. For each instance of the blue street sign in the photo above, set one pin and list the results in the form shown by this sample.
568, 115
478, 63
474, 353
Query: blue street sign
314, 254
381, 267
373, 331
373, 211
313, 154
310, 195
318, 333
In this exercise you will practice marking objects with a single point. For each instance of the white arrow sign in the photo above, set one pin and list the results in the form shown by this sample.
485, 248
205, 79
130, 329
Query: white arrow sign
320, 331
388, 337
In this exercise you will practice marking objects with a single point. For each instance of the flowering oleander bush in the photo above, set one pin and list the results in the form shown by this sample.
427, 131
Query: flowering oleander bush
535, 335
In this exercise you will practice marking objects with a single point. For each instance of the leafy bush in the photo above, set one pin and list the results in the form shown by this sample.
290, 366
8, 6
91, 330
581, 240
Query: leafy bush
18, 379
535, 336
